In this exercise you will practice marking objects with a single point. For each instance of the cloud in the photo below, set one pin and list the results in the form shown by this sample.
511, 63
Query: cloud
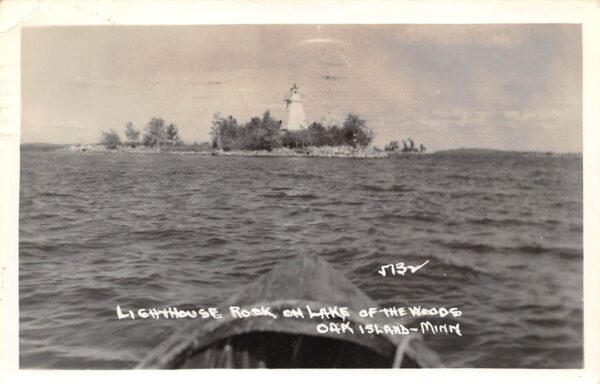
321, 41
478, 35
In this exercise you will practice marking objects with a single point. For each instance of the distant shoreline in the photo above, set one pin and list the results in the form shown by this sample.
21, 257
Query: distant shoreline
480, 151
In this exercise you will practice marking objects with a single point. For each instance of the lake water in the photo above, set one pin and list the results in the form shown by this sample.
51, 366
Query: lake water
502, 233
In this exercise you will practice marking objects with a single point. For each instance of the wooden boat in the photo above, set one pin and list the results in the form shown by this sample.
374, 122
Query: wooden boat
288, 342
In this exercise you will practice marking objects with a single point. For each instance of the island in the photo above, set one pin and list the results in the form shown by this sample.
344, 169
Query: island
261, 136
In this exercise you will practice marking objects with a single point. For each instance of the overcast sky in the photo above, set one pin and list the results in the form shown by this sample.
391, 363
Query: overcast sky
451, 86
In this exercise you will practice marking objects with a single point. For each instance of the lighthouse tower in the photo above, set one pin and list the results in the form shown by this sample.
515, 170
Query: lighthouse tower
297, 118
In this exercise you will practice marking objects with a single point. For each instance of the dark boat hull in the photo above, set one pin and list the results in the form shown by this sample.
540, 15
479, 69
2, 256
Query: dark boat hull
288, 342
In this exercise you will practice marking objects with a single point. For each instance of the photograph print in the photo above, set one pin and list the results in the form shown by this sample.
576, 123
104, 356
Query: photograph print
301, 196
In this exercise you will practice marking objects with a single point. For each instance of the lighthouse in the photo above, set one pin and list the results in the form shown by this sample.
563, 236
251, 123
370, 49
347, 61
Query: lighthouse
296, 118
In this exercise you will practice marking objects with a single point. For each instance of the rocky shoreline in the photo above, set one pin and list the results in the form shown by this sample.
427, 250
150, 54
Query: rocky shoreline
328, 152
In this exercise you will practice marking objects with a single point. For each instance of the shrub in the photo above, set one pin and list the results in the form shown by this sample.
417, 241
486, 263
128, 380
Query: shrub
353, 132
110, 139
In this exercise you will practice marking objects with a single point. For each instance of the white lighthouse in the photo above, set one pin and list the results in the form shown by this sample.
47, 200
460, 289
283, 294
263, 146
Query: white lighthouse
296, 118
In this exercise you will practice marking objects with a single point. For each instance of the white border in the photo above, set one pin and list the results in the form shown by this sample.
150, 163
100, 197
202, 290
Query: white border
15, 14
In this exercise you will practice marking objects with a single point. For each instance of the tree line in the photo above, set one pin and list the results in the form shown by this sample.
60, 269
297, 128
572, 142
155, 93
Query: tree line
407, 146
266, 133
260, 133
156, 133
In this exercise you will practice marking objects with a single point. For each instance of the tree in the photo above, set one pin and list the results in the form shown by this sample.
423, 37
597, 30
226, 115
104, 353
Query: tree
355, 131
393, 146
110, 139
270, 132
132, 134
155, 132
224, 132
215, 130
257, 134
319, 136
172, 134
336, 135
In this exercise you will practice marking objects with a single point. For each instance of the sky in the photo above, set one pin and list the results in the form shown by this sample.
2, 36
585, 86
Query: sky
511, 87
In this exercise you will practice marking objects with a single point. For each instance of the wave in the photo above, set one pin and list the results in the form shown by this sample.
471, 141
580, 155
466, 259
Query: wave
467, 246
291, 195
526, 249
419, 216
215, 241
393, 188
